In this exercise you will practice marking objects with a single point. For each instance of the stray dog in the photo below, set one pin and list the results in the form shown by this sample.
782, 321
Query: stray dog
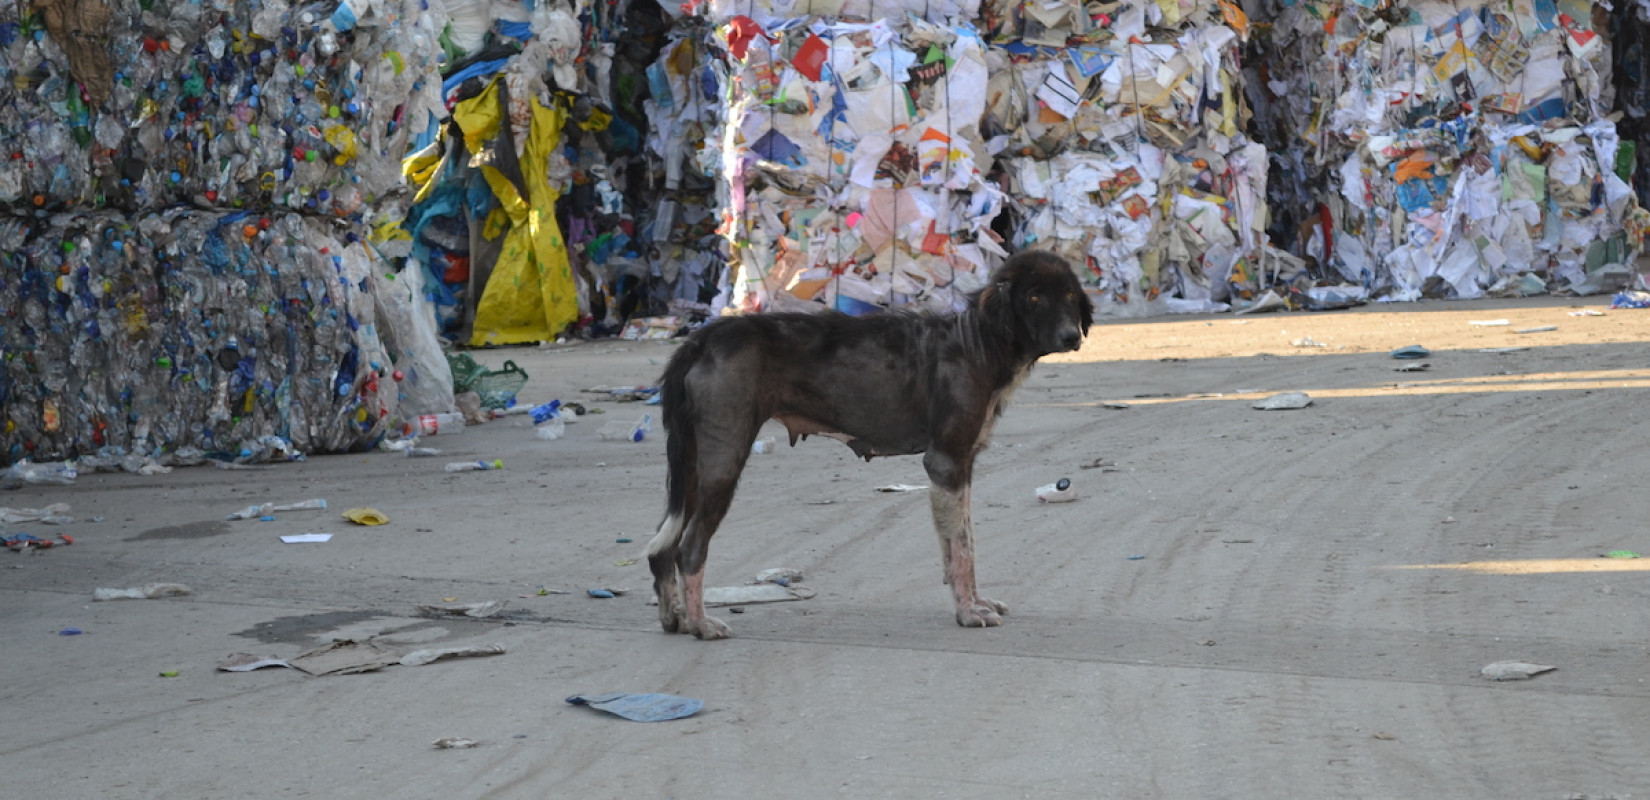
886, 384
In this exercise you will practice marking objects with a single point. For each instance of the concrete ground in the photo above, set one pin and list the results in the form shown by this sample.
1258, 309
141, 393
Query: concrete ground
1241, 604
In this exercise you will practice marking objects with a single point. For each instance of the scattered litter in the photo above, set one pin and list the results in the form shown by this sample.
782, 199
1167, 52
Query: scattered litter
1283, 402
253, 512
54, 514
28, 541
901, 487
762, 446
1237, 541
1266, 302
29, 472
1587, 312
641, 707
758, 593
1621, 554
602, 593
621, 431
246, 662
1631, 298
1490, 323
419, 658
1059, 491
1411, 352
1206, 643
1101, 464
1502, 349
1537, 329
624, 393
1136, 558
784, 576
1115, 405
70, 632
1383, 736
475, 466
366, 516
624, 562
147, 592
1513, 670
345, 657
300, 538
491, 608
1421, 366
622, 540
169, 673
454, 743
1308, 341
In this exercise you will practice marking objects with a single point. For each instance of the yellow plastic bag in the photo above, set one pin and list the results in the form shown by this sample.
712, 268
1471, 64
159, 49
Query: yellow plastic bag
531, 295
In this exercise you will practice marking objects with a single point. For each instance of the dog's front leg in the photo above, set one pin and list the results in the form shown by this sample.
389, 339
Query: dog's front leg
954, 522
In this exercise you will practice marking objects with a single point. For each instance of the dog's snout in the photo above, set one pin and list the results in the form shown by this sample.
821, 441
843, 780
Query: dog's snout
1071, 339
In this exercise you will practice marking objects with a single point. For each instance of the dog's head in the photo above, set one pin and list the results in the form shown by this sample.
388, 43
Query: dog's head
1036, 301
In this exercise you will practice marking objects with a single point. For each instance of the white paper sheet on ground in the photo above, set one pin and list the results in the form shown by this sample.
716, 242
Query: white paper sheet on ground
299, 538
759, 593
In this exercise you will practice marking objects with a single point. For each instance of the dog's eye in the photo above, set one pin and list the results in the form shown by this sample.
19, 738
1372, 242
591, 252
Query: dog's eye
1035, 298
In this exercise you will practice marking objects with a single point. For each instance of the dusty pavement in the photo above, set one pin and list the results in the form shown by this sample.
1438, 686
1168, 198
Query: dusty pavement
1298, 622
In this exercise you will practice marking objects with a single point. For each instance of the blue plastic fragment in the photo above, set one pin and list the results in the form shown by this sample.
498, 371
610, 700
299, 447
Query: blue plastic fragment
641, 707
1136, 558
600, 593
70, 632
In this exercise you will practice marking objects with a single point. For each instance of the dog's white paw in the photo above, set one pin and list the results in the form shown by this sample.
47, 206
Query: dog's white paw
979, 616
708, 628
993, 605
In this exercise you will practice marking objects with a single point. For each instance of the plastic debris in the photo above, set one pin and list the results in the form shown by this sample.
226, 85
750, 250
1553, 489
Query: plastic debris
419, 658
475, 466
1060, 491
620, 431
1621, 554
641, 707
454, 743
491, 608
902, 487
366, 516
146, 592
1284, 401
20, 542
254, 512
757, 593
1513, 670
301, 538
1413, 351
246, 662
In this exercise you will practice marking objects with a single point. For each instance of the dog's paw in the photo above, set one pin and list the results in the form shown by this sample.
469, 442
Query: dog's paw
708, 628
979, 616
671, 620
992, 605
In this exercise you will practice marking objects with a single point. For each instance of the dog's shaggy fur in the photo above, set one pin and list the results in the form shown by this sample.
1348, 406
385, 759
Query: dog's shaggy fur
886, 384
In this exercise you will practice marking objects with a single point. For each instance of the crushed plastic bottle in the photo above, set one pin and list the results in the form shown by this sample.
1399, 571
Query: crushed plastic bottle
621, 431
475, 466
1060, 491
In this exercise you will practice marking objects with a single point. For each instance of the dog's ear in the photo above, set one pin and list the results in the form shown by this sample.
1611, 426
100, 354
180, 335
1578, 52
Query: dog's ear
1085, 309
994, 305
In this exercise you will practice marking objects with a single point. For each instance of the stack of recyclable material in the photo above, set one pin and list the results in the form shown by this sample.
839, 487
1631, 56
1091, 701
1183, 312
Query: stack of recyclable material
849, 164
183, 198
230, 104
247, 337
684, 116
526, 200
1119, 135
1461, 148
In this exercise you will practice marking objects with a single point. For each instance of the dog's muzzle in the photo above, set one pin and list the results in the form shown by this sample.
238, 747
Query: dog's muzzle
1071, 340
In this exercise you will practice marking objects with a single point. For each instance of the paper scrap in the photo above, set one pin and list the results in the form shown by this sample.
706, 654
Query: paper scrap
298, 538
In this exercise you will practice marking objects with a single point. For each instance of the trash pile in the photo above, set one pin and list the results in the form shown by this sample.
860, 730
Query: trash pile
850, 171
1456, 149
184, 199
1120, 138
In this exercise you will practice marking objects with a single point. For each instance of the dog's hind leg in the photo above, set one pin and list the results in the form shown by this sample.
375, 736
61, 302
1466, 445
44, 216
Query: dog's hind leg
951, 499
661, 558
722, 455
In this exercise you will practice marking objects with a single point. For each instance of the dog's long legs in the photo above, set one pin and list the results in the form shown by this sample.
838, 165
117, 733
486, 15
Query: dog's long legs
715, 495
951, 498
661, 558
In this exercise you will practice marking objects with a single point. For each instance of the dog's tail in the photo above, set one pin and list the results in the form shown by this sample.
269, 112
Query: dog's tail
681, 444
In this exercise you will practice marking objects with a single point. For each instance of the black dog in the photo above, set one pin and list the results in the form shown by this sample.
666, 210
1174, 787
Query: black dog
886, 384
